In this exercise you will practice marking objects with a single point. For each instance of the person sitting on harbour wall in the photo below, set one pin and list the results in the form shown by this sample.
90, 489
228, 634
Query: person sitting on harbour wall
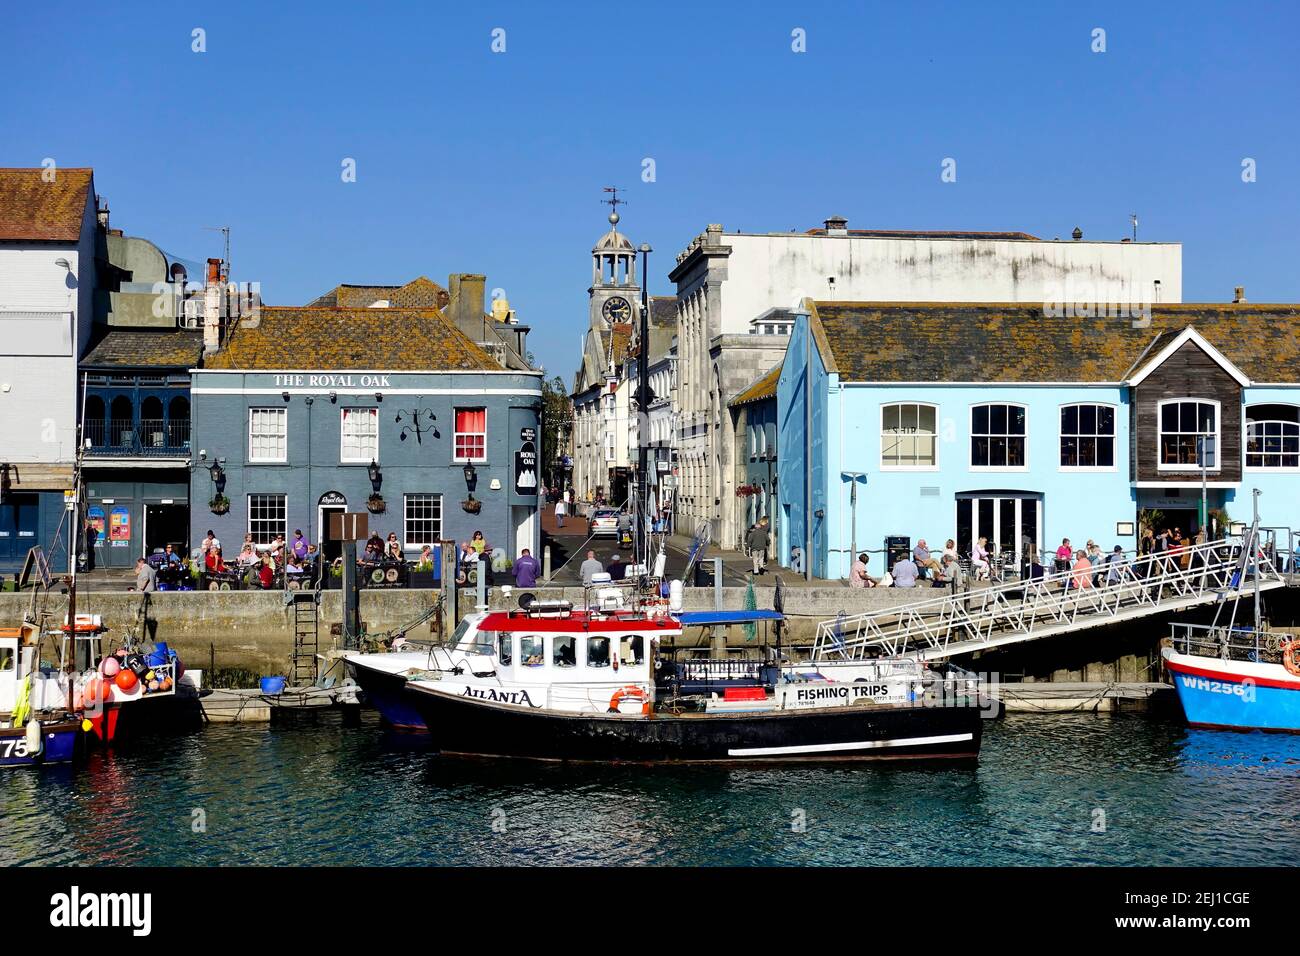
146, 578
1063, 555
1082, 571
589, 567
526, 569
950, 573
858, 577
757, 541
905, 573
924, 560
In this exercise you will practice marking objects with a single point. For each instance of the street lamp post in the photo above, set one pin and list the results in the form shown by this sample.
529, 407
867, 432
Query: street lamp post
853, 477
643, 413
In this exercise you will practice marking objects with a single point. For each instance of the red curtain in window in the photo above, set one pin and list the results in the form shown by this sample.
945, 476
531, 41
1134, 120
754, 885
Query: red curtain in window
471, 433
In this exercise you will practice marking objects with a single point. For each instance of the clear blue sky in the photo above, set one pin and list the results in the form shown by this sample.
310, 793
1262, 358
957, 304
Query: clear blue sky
470, 161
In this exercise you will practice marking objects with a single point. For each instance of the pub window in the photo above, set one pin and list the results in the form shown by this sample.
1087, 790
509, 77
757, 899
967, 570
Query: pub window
598, 652
471, 434
1273, 436
422, 515
997, 436
267, 434
1182, 422
531, 651
266, 518
1087, 436
359, 435
907, 436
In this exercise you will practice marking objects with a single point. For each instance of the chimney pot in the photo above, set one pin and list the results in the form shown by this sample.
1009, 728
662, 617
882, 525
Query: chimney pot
1077, 234
214, 270
837, 226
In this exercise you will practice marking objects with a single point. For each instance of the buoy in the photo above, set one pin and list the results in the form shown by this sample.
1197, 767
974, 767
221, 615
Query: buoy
86, 725
126, 680
91, 693
109, 666
35, 740
153, 685
166, 684
149, 675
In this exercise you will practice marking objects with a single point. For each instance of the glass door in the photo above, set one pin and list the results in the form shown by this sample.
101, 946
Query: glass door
1012, 521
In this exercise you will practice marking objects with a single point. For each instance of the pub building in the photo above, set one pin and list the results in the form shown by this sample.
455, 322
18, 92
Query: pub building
300, 413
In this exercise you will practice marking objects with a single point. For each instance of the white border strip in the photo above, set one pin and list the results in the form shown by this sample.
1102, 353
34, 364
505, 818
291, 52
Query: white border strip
856, 745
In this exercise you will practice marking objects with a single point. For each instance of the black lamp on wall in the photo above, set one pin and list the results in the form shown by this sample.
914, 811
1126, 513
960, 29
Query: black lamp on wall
218, 475
376, 476
471, 477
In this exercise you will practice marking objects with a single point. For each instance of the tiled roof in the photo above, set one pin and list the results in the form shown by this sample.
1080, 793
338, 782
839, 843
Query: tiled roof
1016, 343
135, 348
663, 311
765, 387
621, 332
404, 340
421, 293
35, 210
927, 234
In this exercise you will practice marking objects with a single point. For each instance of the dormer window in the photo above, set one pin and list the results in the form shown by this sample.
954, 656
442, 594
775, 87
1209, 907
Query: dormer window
1183, 422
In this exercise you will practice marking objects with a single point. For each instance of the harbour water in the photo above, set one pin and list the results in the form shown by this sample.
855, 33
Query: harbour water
1053, 790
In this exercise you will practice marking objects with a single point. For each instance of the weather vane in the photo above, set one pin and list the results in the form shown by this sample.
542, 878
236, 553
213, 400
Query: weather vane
417, 425
613, 202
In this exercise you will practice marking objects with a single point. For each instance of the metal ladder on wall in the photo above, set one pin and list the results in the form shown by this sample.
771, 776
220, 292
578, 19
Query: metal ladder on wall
1027, 610
306, 637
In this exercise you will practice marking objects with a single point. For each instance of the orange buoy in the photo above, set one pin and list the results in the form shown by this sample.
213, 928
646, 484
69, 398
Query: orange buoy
93, 692
126, 679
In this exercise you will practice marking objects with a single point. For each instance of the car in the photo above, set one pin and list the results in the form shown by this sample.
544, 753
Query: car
603, 523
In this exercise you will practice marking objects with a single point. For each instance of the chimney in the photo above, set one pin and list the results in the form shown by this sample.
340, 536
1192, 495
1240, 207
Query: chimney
837, 226
101, 212
1239, 294
1077, 234
212, 308
466, 306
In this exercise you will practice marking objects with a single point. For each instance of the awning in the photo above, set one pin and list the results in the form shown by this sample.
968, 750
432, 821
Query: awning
715, 618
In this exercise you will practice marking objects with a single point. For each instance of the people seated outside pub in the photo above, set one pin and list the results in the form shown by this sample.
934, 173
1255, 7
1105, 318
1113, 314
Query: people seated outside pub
170, 557
478, 542
950, 573
1095, 558
950, 550
1082, 571
526, 569
905, 573
589, 567
616, 568
1063, 555
1115, 565
248, 554
858, 577
426, 554
210, 541
266, 573
299, 546
213, 561
394, 552
374, 552
923, 559
979, 559
278, 549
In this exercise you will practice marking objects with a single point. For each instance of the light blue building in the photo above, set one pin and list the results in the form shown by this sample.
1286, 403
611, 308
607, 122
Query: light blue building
999, 421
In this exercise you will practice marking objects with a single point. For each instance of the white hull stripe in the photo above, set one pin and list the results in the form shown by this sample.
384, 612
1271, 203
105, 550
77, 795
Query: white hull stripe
853, 745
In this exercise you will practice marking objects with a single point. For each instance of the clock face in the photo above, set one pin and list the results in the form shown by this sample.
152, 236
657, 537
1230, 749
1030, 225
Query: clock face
616, 309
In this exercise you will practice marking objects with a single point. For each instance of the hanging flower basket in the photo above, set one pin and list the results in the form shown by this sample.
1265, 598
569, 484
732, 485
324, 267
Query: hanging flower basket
219, 504
375, 504
472, 505
745, 491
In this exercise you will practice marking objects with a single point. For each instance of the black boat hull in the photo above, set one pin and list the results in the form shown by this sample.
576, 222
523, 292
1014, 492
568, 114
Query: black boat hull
463, 725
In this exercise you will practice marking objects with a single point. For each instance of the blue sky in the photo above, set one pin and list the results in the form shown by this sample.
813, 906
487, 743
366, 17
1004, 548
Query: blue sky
474, 161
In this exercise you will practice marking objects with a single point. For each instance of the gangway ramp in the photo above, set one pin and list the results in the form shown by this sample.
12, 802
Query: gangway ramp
963, 622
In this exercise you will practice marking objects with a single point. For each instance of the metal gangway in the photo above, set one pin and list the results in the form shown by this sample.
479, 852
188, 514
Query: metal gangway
1008, 613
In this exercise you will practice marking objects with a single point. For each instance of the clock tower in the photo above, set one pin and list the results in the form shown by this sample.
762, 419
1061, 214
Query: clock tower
614, 294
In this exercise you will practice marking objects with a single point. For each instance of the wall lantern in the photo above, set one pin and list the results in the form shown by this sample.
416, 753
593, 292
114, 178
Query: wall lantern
471, 477
376, 476
285, 396
334, 397
218, 475
379, 396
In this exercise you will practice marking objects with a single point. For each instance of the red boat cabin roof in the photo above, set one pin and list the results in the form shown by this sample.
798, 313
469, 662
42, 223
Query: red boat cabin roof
576, 621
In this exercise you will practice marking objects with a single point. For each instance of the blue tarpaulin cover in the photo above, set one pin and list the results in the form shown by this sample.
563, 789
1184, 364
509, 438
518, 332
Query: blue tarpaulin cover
705, 618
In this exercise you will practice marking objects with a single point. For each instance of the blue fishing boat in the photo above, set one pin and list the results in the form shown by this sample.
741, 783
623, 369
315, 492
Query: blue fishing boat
1235, 678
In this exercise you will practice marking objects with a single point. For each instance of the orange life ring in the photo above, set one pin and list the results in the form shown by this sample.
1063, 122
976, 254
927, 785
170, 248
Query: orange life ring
630, 692
1288, 657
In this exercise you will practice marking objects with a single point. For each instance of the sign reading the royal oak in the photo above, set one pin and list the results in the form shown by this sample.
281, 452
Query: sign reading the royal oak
526, 463
348, 380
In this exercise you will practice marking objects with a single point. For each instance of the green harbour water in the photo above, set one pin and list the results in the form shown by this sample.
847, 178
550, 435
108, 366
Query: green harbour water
1064, 790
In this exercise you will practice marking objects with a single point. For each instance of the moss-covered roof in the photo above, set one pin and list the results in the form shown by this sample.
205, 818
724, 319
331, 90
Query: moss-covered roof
1017, 343
135, 348
764, 387
405, 340
419, 293
34, 209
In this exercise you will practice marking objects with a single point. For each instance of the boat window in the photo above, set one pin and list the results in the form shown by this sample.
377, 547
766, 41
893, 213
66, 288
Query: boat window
531, 652
564, 652
631, 649
503, 647
485, 642
7, 659
598, 652
459, 634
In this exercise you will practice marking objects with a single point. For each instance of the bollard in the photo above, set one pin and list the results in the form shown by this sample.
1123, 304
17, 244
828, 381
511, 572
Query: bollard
546, 563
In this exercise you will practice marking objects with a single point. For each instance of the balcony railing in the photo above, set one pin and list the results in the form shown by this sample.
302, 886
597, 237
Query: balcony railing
149, 438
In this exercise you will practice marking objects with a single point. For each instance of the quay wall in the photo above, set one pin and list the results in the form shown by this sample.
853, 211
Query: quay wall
253, 630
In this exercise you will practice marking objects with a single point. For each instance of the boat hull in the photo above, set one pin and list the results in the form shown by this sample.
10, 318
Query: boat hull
1235, 695
387, 694
471, 726
61, 742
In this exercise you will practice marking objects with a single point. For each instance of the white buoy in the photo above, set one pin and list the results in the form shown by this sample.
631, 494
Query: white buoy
35, 739
675, 596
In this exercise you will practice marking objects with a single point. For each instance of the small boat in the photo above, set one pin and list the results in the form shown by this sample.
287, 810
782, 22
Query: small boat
1235, 678
32, 732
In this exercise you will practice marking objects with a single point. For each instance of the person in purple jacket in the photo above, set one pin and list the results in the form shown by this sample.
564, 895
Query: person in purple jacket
526, 570
299, 546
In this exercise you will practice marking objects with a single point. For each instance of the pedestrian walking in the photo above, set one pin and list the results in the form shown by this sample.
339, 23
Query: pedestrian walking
757, 542
561, 509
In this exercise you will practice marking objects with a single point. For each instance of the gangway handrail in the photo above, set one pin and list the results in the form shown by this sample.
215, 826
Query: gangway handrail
1016, 610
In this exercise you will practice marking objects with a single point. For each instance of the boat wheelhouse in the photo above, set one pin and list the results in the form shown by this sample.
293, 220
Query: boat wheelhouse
1235, 678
